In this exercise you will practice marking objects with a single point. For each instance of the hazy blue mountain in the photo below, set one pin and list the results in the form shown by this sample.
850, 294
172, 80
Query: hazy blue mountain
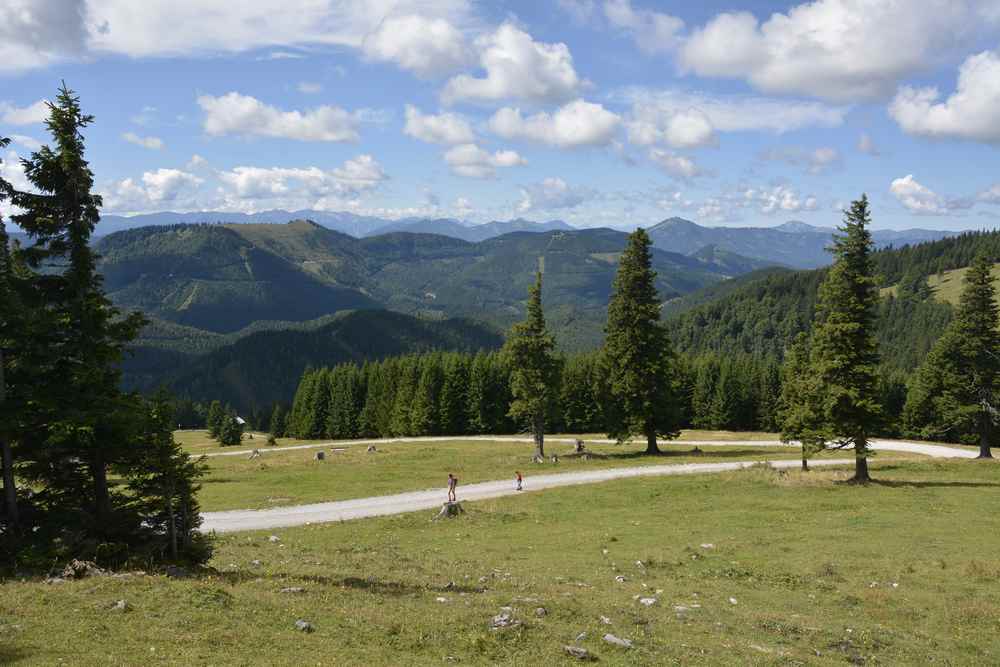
472, 233
794, 243
348, 223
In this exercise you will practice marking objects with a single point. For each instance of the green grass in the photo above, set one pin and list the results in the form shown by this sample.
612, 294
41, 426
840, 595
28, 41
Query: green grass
810, 562
295, 477
947, 286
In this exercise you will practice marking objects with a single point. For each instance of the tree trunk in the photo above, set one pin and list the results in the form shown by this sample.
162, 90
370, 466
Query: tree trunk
172, 526
538, 428
7, 462
102, 502
805, 461
984, 436
651, 446
861, 461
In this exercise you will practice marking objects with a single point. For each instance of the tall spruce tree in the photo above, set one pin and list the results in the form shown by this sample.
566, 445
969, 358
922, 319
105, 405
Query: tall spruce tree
534, 380
800, 412
844, 358
638, 355
89, 411
956, 391
8, 311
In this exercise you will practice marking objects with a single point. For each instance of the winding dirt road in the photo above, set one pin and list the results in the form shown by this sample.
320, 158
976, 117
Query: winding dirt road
400, 503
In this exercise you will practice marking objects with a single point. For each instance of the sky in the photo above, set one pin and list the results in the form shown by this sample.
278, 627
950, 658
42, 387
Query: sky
596, 112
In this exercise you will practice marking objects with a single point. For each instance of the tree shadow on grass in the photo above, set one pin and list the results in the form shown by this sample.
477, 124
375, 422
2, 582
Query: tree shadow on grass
368, 584
10, 655
665, 454
904, 484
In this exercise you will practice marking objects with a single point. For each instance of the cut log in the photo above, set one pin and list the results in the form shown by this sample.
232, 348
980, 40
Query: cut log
450, 510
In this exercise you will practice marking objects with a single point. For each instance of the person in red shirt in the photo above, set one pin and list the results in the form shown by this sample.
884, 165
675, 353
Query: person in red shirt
518, 481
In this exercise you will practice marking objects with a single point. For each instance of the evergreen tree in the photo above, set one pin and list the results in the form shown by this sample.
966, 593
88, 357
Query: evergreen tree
452, 415
213, 422
83, 435
844, 357
955, 393
230, 430
534, 368
278, 417
425, 409
800, 412
8, 311
639, 358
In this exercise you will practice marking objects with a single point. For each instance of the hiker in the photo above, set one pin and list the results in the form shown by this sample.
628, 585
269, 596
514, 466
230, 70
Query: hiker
452, 485
518, 481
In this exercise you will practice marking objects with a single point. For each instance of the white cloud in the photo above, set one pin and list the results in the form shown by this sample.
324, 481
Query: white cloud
580, 11
921, 200
654, 32
281, 55
677, 166
36, 33
423, 45
30, 143
971, 112
576, 124
196, 162
445, 128
29, 115
154, 190
552, 193
780, 198
243, 115
867, 145
462, 207
991, 195
472, 161
12, 171
815, 161
517, 67
309, 87
834, 49
152, 143
690, 119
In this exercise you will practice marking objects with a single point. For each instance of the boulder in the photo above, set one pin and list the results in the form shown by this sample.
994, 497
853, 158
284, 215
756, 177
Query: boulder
450, 510
304, 626
578, 652
617, 641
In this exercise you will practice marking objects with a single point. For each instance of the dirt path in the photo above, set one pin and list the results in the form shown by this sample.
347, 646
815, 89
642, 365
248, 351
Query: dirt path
298, 515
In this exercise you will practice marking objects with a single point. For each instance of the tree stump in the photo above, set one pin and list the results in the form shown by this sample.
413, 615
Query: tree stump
371, 449
450, 510
320, 456
537, 459
578, 448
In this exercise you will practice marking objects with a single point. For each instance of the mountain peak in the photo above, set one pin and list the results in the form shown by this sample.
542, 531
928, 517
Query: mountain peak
676, 224
799, 227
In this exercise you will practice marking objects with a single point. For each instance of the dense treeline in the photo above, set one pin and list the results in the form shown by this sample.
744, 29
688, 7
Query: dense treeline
469, 394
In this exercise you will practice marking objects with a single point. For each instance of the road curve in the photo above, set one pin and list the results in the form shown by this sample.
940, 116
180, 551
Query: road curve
343, 510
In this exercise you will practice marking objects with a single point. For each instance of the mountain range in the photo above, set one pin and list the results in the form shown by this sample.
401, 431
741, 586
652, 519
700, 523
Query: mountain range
794, 243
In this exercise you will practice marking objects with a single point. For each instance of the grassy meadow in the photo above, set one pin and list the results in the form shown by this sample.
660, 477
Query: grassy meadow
753, 567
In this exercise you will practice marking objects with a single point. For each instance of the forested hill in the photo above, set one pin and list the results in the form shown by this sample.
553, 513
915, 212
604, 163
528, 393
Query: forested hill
763, 314
258, 368
222, 278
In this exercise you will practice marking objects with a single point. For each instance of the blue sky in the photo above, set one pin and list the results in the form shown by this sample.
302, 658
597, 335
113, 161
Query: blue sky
598, 112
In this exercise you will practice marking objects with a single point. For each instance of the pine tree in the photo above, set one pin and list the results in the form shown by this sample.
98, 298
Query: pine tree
534, 377
638, 354
800, 412
425, 409
955, 393
454, 396
230, 430
60, 215
844, 357
278, 417
8, 311
213, 422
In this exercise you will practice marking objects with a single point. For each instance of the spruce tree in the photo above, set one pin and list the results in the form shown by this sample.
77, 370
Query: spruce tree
799, 411
213, 422
534, 379
8, 312
956, 391
844, 357
638, 354
278, 416
60, 215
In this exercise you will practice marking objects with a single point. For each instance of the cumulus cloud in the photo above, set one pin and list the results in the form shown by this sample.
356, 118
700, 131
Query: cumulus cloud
814, 161
238, 114
780, 198
972, 112
685, 119
473, 162
552, 193
36, 33
517, 67
678, 166
833, 49
30, 143
990, 195
445, 128
462, 207
921, 200
154, 190
11, 114
152, 143
423, 45
654, 32
576, 124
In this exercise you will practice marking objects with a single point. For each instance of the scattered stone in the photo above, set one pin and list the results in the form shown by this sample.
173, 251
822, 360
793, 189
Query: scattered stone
680, 609
555, 458
441, 599
256, 563
580, 637
120, 605
605, 620
293, 589
647, 602
371, 449
621, 579
320, 456
304, 626
81, 569
451, 585
617, 641
895, 585
640, 564
273, 539
541, 611
55, 580
578, 652
483, 580
504, 620
177, 572
449, 510
733, 601
604, 551
708, 545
